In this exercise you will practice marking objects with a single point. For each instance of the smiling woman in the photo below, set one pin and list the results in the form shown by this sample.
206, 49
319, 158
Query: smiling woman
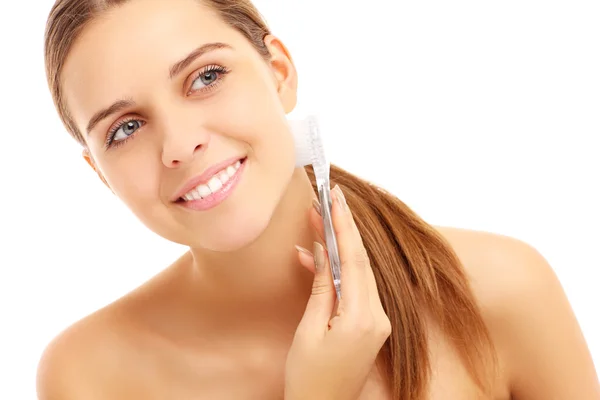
191, 133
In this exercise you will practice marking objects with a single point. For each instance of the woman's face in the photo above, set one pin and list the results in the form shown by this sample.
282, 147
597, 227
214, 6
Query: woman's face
154, 124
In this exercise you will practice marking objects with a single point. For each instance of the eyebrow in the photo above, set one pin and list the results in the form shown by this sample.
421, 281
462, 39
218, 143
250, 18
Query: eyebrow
107, 112
200, 51
179, 66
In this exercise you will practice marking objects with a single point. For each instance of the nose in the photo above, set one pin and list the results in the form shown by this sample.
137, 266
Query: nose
182, 143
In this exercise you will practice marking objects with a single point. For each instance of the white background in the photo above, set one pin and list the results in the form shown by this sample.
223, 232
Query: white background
477, 114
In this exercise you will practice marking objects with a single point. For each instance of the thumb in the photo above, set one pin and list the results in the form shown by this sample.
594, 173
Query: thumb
322, 298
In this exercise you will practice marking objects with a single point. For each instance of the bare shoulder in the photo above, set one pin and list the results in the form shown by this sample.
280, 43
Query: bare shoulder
92, 357
533, 327
498, 266
79, 361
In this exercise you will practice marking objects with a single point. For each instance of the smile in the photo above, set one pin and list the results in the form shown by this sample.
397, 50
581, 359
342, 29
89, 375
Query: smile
216, 190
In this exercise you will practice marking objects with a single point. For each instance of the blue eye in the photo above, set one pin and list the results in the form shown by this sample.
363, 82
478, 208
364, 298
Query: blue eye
208, 78
123, 131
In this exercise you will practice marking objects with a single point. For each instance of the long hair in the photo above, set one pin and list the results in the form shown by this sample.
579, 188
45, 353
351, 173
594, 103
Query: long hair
414, 266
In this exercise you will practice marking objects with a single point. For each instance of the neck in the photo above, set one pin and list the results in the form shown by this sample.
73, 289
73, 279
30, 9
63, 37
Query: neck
262, 283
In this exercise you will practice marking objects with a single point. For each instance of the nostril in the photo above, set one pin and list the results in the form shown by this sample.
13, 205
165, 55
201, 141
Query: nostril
176, 155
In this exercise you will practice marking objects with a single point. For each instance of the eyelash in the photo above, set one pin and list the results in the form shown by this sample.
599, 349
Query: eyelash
220, 70
113, 132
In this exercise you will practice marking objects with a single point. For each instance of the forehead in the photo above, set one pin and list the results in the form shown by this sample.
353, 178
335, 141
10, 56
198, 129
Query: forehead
135, 44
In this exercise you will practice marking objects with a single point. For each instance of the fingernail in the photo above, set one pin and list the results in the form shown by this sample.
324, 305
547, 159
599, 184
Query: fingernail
319, 254
341, 198
303, 250
317, 205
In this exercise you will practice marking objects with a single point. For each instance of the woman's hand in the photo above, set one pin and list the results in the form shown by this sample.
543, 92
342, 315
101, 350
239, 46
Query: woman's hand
331, 358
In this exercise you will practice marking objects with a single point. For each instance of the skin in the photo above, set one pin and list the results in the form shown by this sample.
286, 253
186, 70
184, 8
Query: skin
227, 311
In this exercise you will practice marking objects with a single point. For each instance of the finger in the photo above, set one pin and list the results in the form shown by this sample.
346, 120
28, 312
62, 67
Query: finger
355, 293
373, 292
306, 259
360, 305
322, 299
375, 301
316, 220
368, 268
375, 304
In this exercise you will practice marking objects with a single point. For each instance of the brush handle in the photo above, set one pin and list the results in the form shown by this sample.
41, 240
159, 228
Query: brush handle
330, 240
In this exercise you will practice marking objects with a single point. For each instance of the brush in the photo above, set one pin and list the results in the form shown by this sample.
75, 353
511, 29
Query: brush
311, 151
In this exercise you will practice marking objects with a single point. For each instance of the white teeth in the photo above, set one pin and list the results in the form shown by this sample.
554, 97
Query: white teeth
224, 177
215, 184
204, 190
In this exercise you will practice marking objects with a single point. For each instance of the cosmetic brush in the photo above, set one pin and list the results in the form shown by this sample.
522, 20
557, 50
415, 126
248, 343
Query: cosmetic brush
311, 151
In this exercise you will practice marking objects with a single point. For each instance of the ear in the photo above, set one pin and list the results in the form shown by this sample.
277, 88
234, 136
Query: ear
285, 72
88, 158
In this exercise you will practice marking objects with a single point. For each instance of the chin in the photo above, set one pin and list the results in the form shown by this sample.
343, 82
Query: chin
244, 220
233, 234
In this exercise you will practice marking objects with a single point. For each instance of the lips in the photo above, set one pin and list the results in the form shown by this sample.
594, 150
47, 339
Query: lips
214, 185
205, 177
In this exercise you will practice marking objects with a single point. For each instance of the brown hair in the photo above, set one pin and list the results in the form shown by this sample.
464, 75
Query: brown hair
413, 265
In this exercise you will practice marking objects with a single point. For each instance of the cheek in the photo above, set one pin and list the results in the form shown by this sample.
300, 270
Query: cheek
251, 98
134, 179
250, 111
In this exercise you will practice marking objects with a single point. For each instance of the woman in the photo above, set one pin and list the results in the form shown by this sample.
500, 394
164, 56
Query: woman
164, 96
